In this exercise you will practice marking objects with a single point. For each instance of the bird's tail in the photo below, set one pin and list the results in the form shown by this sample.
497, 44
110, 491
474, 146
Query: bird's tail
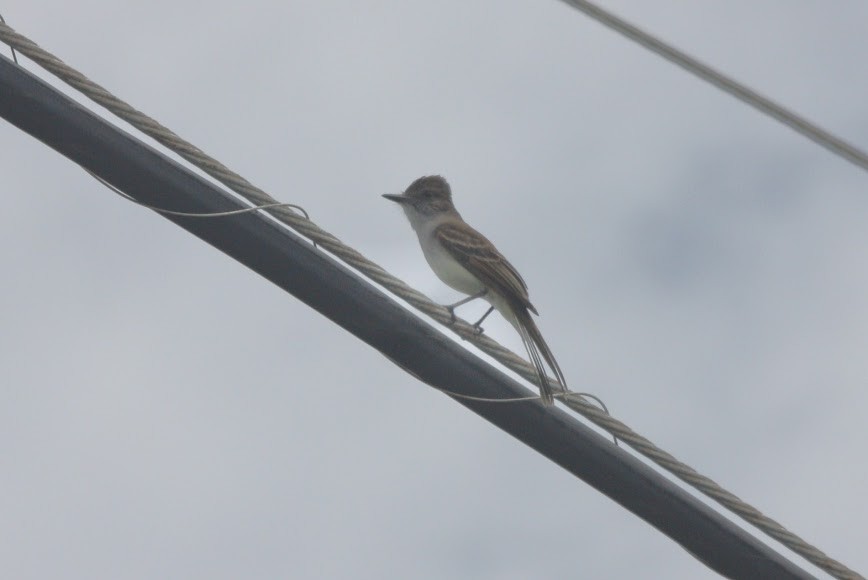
536, 346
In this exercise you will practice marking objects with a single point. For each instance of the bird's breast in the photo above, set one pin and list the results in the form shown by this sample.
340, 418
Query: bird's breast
448, 269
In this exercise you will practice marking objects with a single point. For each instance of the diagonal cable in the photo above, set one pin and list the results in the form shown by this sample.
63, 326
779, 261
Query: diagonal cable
745, 94
421, 302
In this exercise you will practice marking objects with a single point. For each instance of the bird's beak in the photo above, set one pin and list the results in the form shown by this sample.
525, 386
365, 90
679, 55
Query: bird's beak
396, 197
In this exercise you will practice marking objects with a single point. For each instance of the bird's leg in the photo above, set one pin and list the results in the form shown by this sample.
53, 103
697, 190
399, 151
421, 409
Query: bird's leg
476, 325
451, 307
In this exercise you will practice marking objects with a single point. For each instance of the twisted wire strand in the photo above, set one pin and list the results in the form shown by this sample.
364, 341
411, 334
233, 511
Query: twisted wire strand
415, 298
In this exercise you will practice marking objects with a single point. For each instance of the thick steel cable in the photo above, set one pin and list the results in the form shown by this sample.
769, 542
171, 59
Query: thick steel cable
743, 93
418, 300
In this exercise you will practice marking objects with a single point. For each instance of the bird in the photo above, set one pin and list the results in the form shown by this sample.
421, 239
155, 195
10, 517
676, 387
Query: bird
468, 262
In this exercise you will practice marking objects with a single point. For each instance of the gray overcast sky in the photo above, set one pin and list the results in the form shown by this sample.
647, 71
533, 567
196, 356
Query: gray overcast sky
165, 413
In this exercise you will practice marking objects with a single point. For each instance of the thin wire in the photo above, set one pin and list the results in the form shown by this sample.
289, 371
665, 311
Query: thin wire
418, 300
213, 214
196, 214
745, 94
12, 48
458, 395
526, 399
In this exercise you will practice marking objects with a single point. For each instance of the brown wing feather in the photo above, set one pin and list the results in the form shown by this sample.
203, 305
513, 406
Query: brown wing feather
481, 258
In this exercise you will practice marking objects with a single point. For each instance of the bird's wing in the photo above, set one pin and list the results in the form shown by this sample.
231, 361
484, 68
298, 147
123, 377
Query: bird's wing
481, 258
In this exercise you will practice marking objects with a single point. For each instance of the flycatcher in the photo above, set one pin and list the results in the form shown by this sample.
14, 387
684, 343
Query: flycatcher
466, 261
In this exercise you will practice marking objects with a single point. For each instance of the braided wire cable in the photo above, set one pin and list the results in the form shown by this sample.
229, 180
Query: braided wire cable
415, 298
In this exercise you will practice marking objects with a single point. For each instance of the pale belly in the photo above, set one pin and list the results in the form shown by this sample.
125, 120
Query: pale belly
456, 276
450, 271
